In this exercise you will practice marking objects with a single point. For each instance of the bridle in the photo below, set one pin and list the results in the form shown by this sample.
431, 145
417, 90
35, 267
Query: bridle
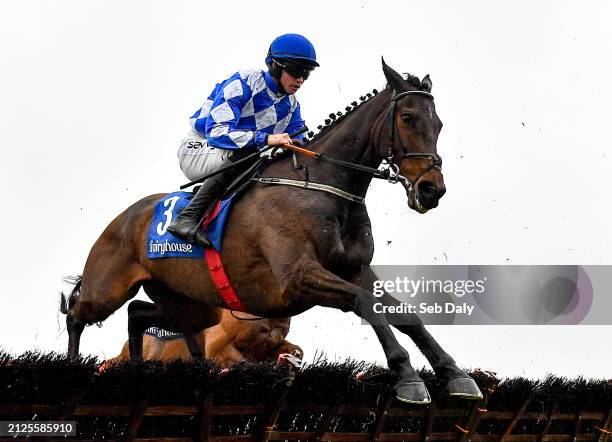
394, 175
390, 173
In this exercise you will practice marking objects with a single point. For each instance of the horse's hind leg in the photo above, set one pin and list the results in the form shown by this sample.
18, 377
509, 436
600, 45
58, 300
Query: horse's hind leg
171, 311
107, 283
75, 329
141, 316
195, 344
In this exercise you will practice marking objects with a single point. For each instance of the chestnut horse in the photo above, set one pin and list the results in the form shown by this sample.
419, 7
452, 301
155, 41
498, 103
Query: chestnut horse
232, 340
287, 249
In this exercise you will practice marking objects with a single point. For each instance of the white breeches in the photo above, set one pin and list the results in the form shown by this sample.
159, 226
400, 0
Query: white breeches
197, 158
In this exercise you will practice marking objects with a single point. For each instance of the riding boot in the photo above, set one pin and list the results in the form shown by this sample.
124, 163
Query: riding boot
187, 225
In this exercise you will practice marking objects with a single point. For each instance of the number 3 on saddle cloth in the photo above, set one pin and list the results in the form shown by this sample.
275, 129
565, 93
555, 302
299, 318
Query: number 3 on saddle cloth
162, 244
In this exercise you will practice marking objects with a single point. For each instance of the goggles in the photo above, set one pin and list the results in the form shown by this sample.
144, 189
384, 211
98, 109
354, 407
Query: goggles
295, 70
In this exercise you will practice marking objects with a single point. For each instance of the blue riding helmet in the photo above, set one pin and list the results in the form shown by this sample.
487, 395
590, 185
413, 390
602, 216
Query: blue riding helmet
294, 47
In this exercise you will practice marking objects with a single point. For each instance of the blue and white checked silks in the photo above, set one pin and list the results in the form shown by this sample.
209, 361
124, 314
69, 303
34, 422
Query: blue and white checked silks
245, 108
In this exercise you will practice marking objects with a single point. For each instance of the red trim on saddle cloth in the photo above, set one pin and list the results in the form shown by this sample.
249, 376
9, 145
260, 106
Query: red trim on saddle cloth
217, 272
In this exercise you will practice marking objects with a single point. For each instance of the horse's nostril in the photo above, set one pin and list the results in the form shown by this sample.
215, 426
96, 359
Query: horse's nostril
427, 189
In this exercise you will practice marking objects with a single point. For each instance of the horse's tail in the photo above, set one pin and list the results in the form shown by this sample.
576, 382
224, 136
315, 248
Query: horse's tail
66, 303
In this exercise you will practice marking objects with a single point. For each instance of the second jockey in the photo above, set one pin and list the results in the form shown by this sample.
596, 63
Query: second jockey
248, 111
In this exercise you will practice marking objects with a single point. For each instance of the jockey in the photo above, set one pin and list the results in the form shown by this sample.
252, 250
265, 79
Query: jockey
248, 111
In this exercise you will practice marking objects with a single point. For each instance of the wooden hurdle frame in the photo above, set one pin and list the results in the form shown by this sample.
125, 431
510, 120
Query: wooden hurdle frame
466, 427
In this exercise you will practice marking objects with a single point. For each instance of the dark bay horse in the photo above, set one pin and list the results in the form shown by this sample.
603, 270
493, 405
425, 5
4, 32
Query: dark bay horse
287, 249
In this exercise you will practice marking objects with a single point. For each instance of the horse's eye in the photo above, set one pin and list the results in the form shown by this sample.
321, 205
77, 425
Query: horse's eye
408, 118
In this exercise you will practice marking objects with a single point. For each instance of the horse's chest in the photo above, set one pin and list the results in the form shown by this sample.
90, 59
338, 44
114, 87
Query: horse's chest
353, 247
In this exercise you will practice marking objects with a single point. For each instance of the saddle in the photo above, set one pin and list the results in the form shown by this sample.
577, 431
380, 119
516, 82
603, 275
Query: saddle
246, 178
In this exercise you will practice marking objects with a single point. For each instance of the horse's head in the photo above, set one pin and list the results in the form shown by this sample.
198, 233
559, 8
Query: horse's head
409, 137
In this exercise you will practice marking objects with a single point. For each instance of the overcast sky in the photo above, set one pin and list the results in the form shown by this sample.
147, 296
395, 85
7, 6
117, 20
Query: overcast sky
96, 95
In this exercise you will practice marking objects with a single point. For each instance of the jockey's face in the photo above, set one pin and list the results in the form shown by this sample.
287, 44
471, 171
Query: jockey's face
289, 83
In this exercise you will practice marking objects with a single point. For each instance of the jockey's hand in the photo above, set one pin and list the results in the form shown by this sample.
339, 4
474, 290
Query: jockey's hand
278, 139
272, 153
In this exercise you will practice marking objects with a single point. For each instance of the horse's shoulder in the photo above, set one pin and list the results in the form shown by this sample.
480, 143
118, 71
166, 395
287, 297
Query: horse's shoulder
358, 215
357, 240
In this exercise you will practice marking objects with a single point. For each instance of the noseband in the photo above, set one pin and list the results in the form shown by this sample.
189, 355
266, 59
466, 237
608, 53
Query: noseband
436, 160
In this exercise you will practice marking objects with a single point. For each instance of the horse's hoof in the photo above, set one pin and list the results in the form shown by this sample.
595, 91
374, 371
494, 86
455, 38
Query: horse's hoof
465, 388
412, 393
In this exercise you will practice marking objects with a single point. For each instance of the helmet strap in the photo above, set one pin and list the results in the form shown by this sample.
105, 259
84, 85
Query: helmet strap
276, 71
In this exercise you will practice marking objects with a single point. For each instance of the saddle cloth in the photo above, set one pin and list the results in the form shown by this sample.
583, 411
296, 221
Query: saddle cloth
162, 244
162, 334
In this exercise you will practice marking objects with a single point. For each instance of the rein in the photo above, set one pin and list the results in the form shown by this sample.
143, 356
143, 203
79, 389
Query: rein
375, 172
389, 173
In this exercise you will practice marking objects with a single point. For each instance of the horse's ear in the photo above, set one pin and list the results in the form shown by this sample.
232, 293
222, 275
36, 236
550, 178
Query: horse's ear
426, 83
394, 79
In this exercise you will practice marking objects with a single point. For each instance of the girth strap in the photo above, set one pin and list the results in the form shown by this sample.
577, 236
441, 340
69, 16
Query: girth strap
314, 186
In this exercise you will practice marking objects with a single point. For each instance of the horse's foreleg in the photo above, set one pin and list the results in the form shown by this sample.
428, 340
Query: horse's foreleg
458, 381
228, 356
310, 282
286, 347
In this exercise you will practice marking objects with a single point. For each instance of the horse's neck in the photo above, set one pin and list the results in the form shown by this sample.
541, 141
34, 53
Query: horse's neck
354, 140
351, 140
